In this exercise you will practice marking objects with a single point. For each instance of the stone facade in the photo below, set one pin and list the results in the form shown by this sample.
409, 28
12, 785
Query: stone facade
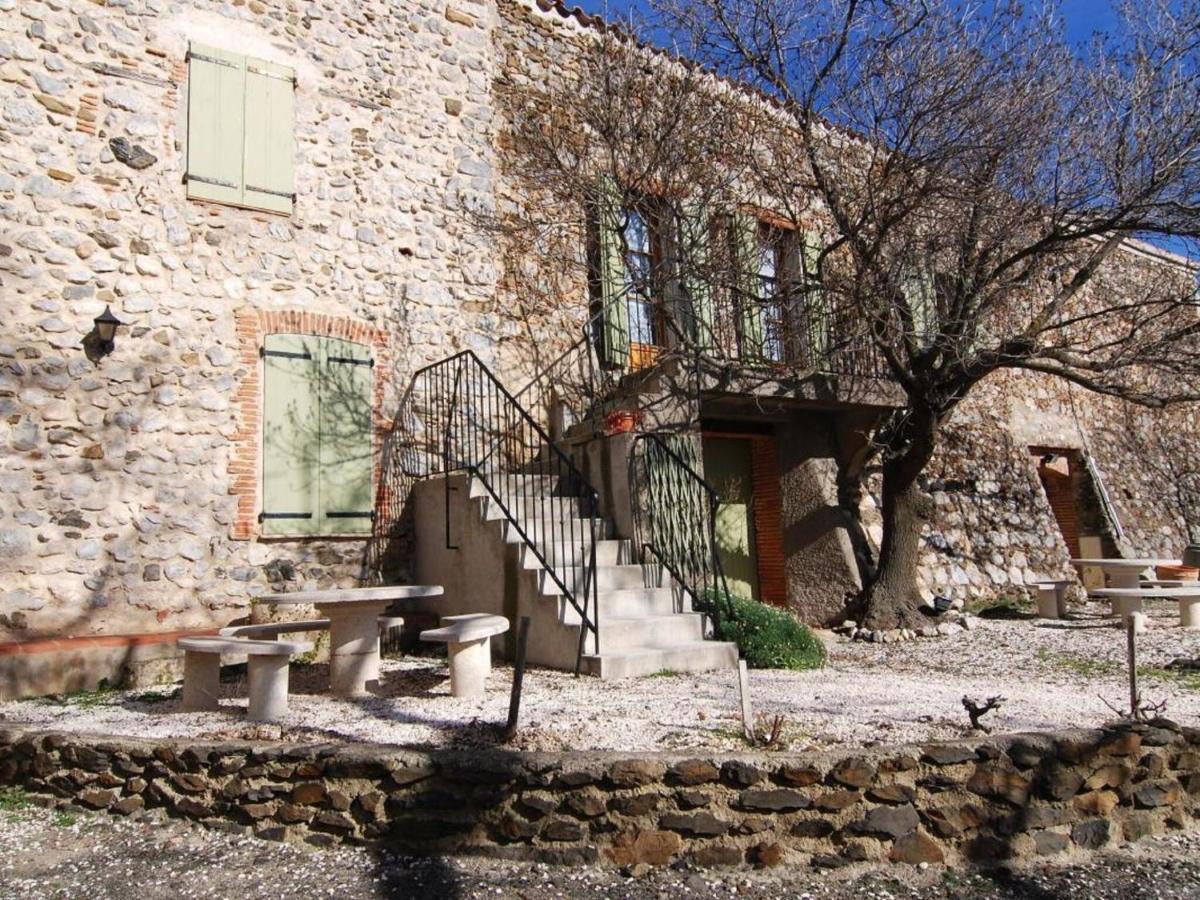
128, 486
979, 801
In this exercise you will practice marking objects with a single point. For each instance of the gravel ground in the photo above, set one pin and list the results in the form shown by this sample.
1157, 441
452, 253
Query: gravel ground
68, 854
1053, 674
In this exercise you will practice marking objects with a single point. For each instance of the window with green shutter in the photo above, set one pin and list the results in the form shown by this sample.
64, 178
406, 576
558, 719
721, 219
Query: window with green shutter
241, 124
748, 287
920, 297
819, 315
318, 447
694, 239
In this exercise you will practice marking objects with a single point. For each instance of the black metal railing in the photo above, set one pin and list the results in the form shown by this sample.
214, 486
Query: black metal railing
675, 518
462, 419
798, 334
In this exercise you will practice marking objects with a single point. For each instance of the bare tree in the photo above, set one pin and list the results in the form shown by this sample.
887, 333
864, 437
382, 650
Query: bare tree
980, 190
980, 181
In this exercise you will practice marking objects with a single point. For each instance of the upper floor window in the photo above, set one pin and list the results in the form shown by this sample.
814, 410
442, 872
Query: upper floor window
240, 132
643, 249
780, 312
629, 247
318, 437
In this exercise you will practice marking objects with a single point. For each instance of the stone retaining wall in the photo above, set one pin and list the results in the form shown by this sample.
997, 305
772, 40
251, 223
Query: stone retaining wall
978, 801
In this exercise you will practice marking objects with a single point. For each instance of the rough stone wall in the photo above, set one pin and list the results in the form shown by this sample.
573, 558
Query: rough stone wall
993, 533
973, 801
820, 566
116, 510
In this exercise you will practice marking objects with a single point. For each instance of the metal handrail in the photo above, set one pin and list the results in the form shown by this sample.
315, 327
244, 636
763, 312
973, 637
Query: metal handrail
479, 418
697, 583
723, 342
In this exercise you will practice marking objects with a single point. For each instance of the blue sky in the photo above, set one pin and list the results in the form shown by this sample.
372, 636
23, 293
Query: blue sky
1083, 17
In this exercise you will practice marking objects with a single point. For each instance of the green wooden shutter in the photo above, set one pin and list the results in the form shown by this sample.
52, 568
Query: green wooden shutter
291, 438
922, 304
216, 117
614, 311
346, 458
816, 301
270, 139
694, 235
747, 285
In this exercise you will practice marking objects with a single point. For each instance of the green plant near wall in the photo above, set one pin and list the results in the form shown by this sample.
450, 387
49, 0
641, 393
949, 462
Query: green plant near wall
767, 638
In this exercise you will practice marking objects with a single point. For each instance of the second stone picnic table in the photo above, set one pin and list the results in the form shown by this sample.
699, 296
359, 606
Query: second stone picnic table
353, 615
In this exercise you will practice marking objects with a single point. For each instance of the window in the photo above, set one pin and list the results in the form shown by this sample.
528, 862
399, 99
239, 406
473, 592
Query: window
628, 247
764, 257
771, 296
318, 458
240, 141
643, 254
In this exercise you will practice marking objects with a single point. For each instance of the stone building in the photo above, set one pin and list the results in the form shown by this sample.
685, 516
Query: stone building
281, 203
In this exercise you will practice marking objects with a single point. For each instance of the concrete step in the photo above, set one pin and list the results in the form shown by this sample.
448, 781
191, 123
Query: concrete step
631, 604
530, 485
578, 530
550, 509
610, 578
564, 553
650, 631
698, 656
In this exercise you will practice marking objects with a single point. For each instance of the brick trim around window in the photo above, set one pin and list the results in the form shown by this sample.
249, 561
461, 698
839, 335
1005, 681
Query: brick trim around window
245, 461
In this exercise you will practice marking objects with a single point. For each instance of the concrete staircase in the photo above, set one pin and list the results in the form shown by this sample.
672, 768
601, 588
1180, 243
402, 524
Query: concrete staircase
645, 620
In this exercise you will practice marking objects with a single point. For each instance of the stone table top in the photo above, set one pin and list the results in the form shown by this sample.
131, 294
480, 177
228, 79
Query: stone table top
1124, 563
354, 596
1149, 593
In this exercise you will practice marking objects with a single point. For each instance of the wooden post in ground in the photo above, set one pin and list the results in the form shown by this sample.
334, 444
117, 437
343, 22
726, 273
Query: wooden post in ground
1135, 623
744, 692
514, 702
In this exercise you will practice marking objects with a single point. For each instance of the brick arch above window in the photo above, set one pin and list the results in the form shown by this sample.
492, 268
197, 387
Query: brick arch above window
245, 461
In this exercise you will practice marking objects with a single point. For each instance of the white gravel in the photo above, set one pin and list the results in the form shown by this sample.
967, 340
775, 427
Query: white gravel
66, 854
1053, 674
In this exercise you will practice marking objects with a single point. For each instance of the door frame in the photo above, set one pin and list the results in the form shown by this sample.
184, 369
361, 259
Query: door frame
766, 510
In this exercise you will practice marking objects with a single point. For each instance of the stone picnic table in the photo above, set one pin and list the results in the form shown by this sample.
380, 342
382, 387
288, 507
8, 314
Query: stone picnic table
1122, 573
1129, 600
353, 615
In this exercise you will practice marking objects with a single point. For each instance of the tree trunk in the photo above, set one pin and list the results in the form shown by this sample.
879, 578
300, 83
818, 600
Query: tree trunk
891, 599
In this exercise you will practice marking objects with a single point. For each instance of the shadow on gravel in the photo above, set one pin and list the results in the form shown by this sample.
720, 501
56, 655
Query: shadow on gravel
1017, 886
408, 878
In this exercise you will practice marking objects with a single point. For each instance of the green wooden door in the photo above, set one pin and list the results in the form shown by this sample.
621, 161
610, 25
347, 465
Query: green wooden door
291, 434
728, 468
346, 457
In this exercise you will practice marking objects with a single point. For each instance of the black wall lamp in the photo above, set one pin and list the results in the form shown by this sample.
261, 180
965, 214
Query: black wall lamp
101, 341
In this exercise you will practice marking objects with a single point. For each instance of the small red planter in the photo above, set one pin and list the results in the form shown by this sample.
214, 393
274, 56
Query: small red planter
622, 421
1176, 573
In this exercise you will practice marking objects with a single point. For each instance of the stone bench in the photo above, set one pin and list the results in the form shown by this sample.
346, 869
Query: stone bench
1052, 599
469, 644
272, 630
266, 666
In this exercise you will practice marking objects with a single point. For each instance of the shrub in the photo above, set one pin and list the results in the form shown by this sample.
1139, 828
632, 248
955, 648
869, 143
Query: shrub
767, 638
